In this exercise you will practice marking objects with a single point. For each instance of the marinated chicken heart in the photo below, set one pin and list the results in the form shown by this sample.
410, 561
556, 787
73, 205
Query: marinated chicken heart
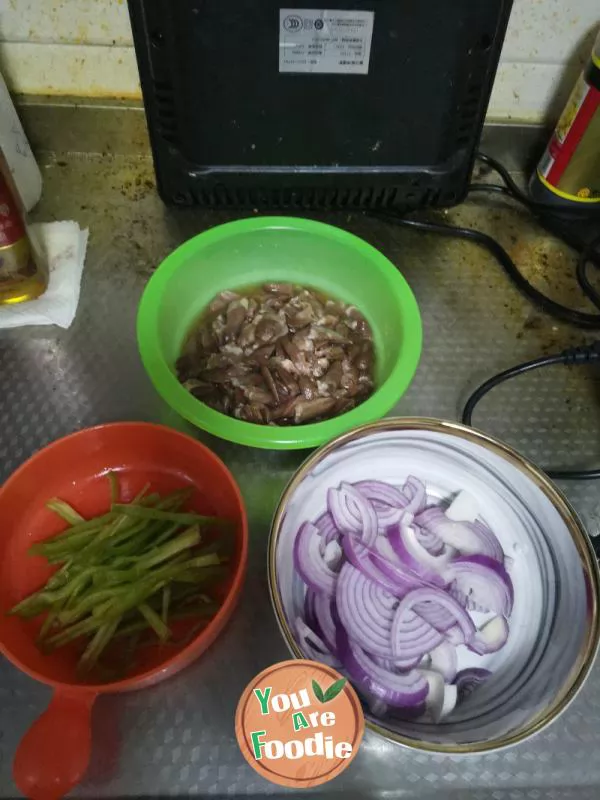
279, 354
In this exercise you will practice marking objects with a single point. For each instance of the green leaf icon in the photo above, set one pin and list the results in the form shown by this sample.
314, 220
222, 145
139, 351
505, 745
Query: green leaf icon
334, 690
318, 692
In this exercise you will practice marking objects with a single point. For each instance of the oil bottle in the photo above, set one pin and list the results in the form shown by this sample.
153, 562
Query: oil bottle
23, 271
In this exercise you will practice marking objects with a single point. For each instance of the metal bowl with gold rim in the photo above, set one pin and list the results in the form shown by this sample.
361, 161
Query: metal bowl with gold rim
553, 624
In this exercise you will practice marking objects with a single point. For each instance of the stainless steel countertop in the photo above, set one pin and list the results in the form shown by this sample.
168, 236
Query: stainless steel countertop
178, 738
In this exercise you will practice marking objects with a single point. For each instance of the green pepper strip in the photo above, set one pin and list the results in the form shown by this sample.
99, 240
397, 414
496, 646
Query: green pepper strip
184, 518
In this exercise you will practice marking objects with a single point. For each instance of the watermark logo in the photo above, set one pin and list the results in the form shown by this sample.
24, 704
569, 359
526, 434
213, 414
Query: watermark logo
299, 723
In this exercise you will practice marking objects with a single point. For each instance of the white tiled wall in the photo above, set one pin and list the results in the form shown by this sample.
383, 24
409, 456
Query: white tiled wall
83, 47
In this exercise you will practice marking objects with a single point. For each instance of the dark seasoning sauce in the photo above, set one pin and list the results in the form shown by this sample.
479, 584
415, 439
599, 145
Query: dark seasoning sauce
279, 354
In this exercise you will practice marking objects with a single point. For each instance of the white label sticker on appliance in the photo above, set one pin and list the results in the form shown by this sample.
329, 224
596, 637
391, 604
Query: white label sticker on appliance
325, 41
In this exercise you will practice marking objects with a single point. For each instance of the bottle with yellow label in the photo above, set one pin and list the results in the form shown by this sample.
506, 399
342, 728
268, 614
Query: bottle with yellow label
569, 171
23, 272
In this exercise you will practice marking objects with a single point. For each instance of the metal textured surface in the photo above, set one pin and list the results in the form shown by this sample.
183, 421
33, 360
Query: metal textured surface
177, 738
105, 126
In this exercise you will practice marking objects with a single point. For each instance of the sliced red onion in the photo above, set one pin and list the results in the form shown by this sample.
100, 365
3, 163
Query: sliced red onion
358, 555
468, 680
403, 624
491, 637
412, 637
400, 690
309, 609
366, 611
309, 562
313, 646
436, 615
458, 595
456, 534
333, 555
398, 664
432, 543
307, 634
412, 554
450, 701
387, 561
466, 537
386, 515
327, 528
455, 635
352, 513
324, 622
441, 699
390, 602
387, 500
484, 583
415, 491
380, 492
490, 546
435, 695
393, 577
445, 661
387, 552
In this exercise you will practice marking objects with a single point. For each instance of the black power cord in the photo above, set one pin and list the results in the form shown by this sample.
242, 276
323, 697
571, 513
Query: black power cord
579, 355
580, 319
511, 189
571, 357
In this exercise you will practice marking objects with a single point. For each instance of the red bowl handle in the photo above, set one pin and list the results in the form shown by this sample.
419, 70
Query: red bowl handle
54, 754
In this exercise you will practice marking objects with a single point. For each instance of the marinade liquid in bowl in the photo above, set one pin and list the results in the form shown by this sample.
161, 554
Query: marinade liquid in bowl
279, 354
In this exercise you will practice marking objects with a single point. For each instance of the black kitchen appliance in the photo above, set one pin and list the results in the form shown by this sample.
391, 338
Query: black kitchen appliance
366, 104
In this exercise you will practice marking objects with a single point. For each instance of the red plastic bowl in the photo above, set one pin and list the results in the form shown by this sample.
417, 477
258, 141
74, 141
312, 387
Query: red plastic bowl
54, 754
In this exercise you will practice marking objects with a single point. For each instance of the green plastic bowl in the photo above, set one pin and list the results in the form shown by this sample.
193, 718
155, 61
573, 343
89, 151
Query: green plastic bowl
263, 249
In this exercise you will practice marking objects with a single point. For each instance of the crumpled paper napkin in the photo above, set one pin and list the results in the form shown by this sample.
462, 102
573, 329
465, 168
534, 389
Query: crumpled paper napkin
64, 244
